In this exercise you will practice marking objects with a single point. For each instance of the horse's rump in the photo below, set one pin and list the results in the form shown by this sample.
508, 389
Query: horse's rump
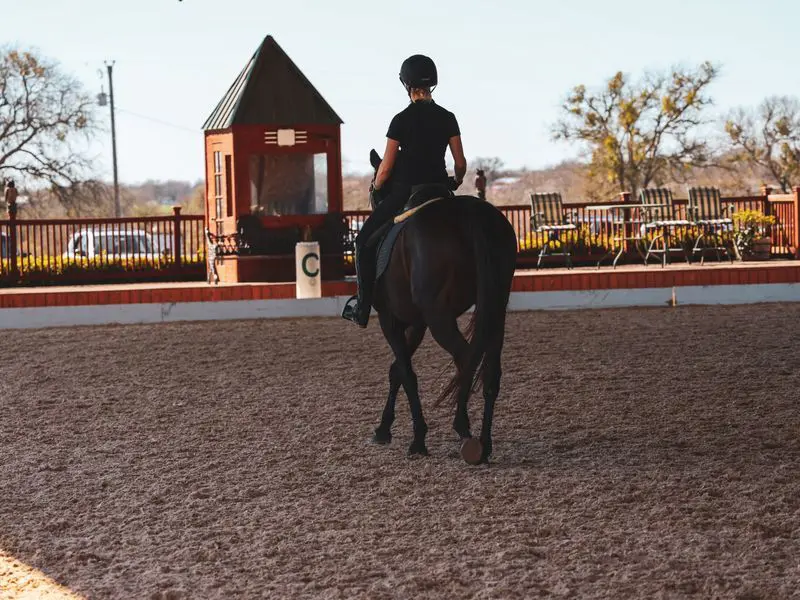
432, 261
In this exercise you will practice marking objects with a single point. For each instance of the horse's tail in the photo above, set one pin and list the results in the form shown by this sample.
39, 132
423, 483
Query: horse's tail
493, 277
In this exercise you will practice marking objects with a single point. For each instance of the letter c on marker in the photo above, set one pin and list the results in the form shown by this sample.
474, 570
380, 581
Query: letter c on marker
304, 264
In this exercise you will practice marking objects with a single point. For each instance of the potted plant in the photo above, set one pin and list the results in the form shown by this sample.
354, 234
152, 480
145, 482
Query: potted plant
750, 233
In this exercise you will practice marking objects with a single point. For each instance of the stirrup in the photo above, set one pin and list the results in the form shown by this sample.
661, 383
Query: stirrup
352, 312
349, 306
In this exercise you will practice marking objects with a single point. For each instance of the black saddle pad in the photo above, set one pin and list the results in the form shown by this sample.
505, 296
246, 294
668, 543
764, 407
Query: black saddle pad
387, 240
420, 194
385, 246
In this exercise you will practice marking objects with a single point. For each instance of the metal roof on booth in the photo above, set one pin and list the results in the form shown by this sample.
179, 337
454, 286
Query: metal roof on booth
271, 90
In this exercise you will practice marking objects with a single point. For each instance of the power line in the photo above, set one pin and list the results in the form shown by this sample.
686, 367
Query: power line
362, 163
154, 120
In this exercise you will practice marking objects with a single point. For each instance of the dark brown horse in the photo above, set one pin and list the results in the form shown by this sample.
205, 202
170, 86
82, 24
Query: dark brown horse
455, 253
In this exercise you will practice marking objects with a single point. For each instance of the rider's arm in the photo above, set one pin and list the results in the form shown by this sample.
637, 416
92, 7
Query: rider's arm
389, 156
457, 150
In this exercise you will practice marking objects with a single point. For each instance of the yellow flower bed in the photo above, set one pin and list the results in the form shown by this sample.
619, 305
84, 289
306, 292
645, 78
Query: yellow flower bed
583, 241
47, 268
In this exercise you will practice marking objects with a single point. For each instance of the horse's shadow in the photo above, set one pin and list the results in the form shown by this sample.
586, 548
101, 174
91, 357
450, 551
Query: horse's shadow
630, 448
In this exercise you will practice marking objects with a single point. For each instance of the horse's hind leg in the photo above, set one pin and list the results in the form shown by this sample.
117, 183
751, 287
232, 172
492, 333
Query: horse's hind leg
449, 337
492, 372
383, 433
394, 333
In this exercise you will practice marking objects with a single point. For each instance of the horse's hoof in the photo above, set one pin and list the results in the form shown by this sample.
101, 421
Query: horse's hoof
472, 451
382, 438
417, 449
463, 433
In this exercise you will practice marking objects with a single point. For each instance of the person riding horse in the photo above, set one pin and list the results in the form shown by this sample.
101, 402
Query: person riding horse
417, 140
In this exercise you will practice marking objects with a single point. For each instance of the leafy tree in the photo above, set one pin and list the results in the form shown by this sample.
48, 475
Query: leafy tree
43, 111
769, 137
641, 133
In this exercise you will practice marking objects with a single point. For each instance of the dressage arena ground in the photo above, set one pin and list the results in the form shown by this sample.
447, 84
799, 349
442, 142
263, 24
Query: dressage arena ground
639, 453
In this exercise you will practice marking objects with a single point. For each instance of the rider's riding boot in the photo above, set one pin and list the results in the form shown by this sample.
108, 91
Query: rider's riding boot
359, 313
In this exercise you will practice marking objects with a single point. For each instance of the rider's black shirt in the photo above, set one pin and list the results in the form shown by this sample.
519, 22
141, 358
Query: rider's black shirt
423, 130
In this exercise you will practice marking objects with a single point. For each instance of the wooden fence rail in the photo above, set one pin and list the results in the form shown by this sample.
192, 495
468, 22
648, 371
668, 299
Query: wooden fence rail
64, 251
601, 226
96, 250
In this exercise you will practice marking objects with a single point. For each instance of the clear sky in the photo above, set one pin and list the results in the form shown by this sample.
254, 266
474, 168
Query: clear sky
504, 65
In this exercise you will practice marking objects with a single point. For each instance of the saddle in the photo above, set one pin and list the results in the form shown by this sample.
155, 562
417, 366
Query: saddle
421, 196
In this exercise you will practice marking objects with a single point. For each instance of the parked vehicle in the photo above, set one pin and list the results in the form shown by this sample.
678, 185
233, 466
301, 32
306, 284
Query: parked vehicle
116, 244
162, 243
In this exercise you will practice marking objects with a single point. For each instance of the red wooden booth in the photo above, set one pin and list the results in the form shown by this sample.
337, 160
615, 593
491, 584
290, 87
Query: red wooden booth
273, 150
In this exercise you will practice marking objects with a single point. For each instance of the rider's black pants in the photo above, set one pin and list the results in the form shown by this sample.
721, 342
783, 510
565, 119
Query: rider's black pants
365, 256
386, 209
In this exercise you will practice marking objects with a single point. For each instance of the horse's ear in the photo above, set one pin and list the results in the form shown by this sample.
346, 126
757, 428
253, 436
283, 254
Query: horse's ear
374, 159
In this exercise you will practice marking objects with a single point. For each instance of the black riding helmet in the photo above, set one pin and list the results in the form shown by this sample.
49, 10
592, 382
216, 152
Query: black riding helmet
418, 71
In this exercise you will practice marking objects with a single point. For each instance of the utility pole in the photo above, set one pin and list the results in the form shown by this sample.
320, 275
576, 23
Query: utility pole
117, 209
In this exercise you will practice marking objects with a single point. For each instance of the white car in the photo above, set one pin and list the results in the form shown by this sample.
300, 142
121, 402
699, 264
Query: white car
114, 243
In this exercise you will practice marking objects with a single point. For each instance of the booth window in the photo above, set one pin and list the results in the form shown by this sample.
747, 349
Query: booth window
218, 199
228, 187
218, 185
289, 184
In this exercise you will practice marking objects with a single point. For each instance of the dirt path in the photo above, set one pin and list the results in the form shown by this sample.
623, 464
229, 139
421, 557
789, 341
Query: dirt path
638, 454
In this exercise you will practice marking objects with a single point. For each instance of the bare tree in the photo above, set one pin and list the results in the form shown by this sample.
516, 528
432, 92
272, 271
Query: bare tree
492, 168
93, 198
43, 111
89, 198
195, 202
769, 137
636, 134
